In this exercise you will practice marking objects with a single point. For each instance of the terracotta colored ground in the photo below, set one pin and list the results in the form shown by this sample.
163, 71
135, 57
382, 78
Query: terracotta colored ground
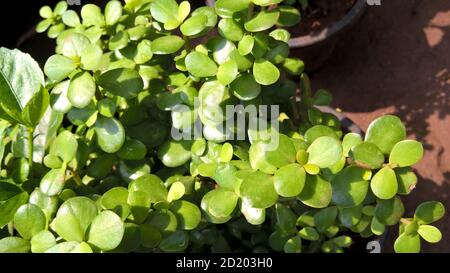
397, 61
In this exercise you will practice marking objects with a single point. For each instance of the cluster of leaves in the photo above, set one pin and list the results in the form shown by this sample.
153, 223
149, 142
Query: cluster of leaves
88, 163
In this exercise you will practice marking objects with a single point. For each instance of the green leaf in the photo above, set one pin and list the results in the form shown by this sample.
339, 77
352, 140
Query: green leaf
226, 8
29, 220
58, 67
164, 220
65, 146
106, 231
58, 99
164, 10
325, 218
70, 247
132, 150
74, 217
406, 179
176, 192
309, 233
246, 44
325, 152
266, 2
45, 12
389, 211
430, 234
226, 153
175, 153
188, 215
385, 132
167, 45
367, 155
119, 41
91, 57
317, 131
407, 243
92, 15
289, 180
113, 12
349, 141
74, 44
150, 237
258, 191
9, 208
262, 21
293, 245
200, 65
123, 82
21, 87
81, 90
429, 212
230, 29
176, 242
220, 203
384, 184
406, 153
114, 198
349, 217
376, 227
227, 72
252, 215
42, 241
265, 72
245, 87
194, 25
349, 187
144, 52
183, 11
8, 190
110, 134
71, 19
317, 192
289, 16
152, 186
14, 245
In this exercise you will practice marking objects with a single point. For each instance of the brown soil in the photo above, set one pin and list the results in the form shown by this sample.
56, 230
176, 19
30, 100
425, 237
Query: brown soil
397, 61
320, 15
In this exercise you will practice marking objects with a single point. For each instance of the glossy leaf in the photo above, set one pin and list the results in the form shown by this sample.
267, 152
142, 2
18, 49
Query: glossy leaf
262, 21
385, 132
349, 187
367, 155
430, 234
258, 191
188, 214
200, 65
406, 243
167, 45
29, 220
406, 153
106, 231
110, 134
384, 183
325, 152
265, 72
289, 180
429, 212
123, 82
58, 67
317, 192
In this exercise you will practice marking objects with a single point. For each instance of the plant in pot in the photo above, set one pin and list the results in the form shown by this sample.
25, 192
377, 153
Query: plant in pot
126, 131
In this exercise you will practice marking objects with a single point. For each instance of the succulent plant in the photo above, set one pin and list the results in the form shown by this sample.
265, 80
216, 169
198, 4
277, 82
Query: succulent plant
90, 162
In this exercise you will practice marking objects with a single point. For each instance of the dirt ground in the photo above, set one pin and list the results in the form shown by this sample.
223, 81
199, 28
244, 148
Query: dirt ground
397, 61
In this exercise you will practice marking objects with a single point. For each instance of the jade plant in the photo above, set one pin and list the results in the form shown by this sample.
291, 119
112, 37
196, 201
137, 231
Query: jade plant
90, 162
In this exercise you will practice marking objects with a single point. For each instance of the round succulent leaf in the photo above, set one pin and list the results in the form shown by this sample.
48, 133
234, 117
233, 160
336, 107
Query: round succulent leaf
58, 98
309, 233
280, 35
183, 11
164, 10
384, 183
152, 185
429, 212
349, 187
245, 45
245, 87
263, 20
29, 220
227, 72
176, 242
42, 241
92, 15
132, 150
110, 134
349, 217
293, 245
407, 243
230, 29
390, 211
376, 227
226, 8
367, 155
120, 40
406, 153
194, 25
70, 247
176, 191
258, 191
252, 215
200, 65
74, 217
91, 57
317, 131
265, 72
283, 154
106, 231
430, 234
114, 197
325, 152
65, 146
289, 16
385, 132
14, 245
317, 192
406, 179
150, 237
122, 82
175, 153
70, 18
188, 214
289, 180
220, 202
226, 153
209, 12
81, 90
167, 45
74, 44
349, 141
325, 218
53, 182
113, 12
58, 67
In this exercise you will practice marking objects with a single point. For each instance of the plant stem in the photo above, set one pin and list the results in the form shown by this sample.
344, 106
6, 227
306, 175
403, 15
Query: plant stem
30, 146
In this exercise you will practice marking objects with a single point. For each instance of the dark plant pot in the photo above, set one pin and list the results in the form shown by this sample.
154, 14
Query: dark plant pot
374, 244
315, 48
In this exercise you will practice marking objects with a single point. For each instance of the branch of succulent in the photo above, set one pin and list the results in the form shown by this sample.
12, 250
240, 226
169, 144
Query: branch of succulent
103, 155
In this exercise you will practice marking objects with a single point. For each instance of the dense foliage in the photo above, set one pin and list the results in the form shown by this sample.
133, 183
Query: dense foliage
89, 163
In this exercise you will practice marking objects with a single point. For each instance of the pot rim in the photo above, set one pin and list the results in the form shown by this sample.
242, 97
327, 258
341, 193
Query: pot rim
352, 16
